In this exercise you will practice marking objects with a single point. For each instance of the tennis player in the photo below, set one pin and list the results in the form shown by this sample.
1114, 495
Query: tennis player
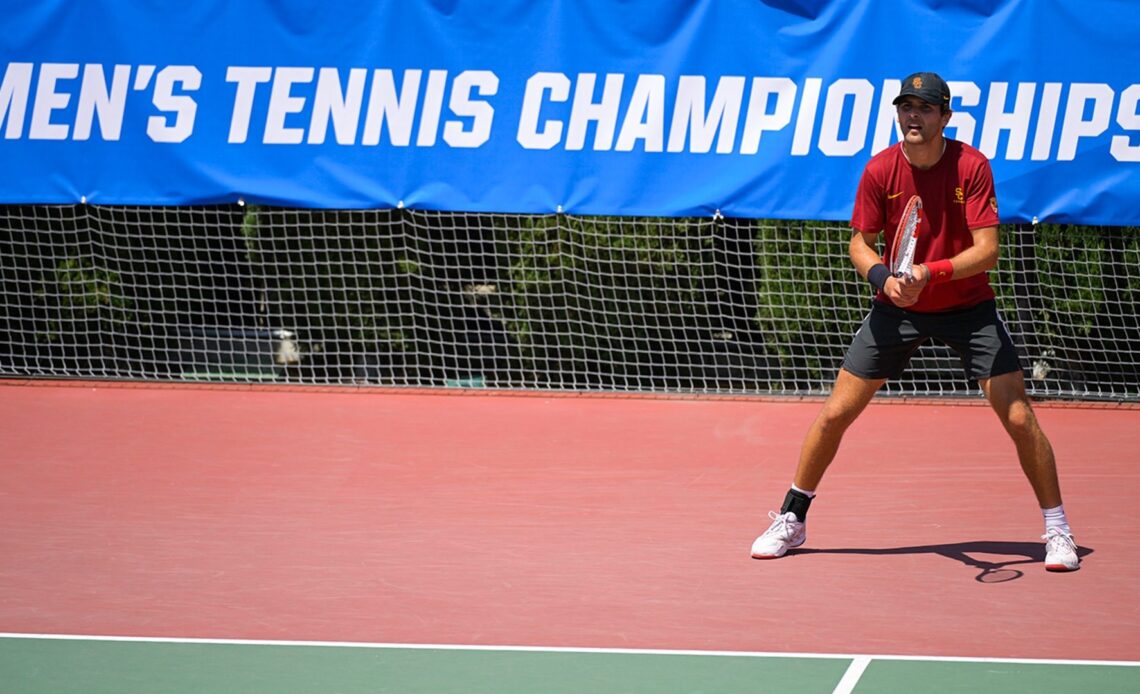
948, 299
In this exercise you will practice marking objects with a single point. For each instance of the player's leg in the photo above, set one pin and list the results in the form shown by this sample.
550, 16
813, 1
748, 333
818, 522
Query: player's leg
880, 350
1006, 394
849, 397
989, 355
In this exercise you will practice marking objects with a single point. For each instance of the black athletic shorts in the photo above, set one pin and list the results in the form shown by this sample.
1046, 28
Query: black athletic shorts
890, 335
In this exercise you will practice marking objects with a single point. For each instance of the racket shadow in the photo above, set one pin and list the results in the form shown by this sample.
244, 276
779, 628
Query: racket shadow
998, 570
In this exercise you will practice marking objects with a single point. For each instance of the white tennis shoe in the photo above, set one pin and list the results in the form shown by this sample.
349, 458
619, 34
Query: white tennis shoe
785, 533
1060, 551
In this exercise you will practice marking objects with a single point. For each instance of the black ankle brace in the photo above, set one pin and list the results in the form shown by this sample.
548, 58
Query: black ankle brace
797, 503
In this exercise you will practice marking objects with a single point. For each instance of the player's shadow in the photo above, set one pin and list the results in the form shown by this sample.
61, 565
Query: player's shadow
969, 553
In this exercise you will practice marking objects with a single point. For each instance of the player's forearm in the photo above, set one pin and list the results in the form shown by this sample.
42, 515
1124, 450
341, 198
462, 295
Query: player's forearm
863, 253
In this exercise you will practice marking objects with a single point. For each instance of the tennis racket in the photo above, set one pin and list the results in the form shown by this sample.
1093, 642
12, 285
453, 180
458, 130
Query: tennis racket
906, 238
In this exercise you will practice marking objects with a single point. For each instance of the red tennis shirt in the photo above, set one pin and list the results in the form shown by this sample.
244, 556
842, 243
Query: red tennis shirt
957, 196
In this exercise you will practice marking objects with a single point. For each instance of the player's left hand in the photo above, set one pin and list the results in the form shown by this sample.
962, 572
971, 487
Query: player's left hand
904, 291
914, 284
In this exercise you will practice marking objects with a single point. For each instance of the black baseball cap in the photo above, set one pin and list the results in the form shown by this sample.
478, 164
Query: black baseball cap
927, 86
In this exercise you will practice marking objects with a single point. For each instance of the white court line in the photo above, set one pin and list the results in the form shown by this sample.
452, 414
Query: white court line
554, 649
851, 677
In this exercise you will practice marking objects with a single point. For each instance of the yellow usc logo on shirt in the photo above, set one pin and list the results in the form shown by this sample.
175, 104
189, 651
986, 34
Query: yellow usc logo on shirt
959, 196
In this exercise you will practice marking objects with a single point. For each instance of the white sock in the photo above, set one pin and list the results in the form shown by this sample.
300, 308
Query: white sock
803, 491
1055, 518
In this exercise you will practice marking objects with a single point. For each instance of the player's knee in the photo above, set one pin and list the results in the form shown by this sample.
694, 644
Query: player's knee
1020, 421
834, 419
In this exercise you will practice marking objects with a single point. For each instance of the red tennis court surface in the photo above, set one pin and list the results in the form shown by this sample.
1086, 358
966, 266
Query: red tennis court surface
552, 521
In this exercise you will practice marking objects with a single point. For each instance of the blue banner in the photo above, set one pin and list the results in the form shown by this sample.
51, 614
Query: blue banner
655, 107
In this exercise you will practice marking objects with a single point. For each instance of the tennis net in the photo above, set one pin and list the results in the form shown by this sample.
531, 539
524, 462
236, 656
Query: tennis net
552, 302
